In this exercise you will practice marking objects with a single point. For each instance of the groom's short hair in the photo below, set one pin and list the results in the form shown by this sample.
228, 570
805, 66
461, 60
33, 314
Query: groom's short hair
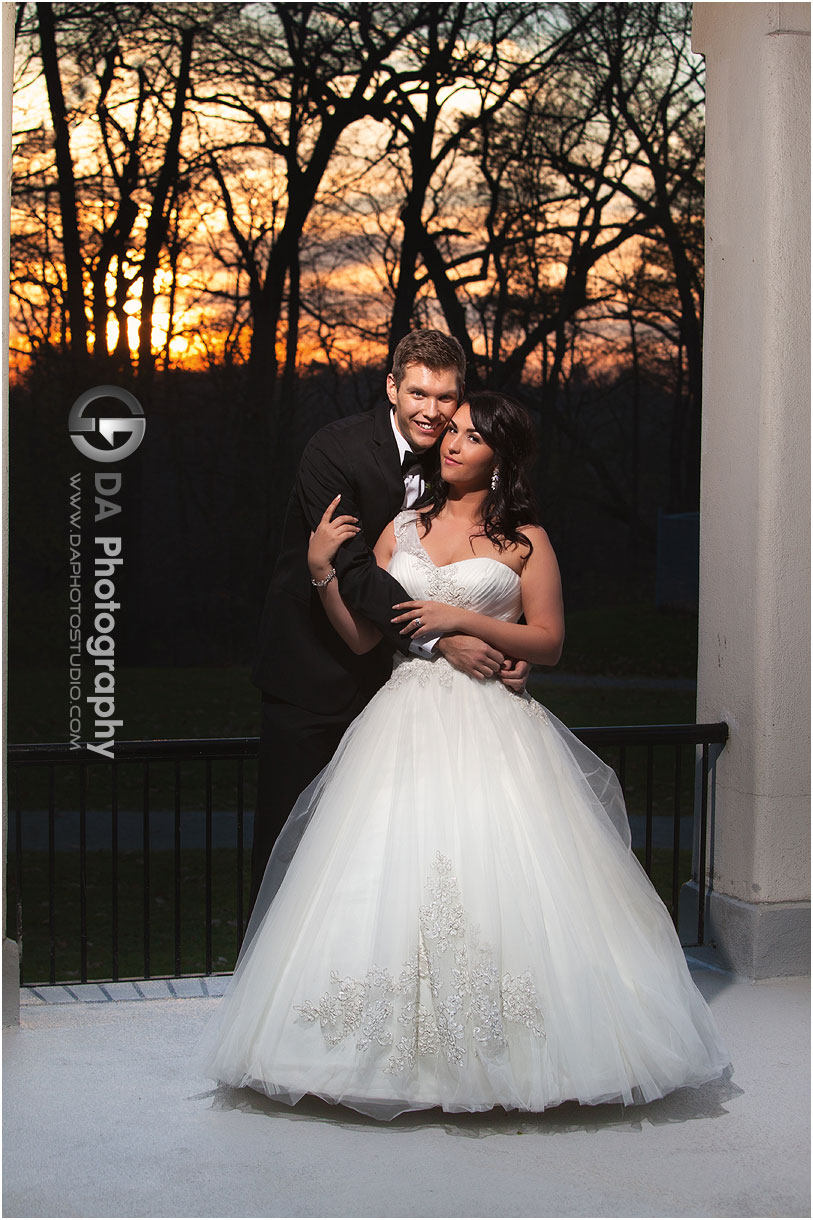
434, 350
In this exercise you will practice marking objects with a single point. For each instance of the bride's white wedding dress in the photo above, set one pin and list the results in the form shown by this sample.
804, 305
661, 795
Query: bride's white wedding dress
463, 923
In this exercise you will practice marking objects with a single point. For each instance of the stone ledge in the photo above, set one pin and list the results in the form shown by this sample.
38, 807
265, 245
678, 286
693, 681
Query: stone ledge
53, 995
761, 940
88, 993
11, 983
123, 992
186, 989
757, 940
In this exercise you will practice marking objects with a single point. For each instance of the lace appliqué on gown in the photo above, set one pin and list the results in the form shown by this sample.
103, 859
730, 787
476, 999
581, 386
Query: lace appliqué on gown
441, 584
419, 669
530, 706
451, 998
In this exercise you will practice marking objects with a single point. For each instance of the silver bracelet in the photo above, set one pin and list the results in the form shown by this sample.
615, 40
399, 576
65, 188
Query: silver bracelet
320, 584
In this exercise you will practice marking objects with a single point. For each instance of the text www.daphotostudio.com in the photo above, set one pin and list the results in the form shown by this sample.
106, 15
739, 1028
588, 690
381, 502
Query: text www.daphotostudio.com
95, 438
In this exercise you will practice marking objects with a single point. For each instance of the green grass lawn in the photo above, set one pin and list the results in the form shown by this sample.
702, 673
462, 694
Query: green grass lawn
153, 703
636, 639
221, 702
161, 703
159, 912
583, 706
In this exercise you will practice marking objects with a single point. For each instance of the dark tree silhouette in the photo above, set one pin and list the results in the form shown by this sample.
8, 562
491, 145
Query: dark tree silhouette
71, 242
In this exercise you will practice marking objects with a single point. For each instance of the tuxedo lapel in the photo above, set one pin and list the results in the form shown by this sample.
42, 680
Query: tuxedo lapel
385, 450
388, 460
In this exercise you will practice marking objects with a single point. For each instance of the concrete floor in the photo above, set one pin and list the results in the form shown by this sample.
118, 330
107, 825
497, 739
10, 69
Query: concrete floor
105, 1116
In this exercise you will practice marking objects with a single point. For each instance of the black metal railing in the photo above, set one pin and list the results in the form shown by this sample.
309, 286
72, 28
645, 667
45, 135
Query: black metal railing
708, 737
102, 852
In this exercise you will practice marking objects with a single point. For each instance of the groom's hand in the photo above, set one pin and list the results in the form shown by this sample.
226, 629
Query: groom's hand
470, 656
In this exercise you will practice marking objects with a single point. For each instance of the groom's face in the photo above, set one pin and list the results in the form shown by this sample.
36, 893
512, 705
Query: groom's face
424, 403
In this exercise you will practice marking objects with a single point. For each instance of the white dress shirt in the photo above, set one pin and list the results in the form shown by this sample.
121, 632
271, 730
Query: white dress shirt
413, 479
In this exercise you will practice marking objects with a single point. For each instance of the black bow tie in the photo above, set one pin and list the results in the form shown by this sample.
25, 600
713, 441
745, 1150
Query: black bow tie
410, 461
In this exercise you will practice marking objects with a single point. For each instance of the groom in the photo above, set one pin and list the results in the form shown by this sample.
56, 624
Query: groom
312, 685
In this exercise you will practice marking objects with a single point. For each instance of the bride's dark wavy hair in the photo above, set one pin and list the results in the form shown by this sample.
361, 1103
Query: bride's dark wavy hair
506, 428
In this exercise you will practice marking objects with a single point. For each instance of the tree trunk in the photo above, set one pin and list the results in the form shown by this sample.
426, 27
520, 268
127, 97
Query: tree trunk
158, 223
453, 311
71, 246
406, 288
635, 448
289, 377
422, 167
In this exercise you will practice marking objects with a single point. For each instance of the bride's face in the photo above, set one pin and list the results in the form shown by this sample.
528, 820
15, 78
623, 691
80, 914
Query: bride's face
465, 458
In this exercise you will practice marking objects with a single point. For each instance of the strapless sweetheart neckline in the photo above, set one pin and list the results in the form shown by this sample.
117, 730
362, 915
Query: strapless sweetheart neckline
471, 559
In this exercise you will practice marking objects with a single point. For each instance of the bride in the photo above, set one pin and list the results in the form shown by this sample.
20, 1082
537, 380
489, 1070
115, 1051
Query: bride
453, 915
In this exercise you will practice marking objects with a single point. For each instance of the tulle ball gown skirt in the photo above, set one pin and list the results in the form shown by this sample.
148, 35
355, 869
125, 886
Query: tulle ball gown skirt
454, 918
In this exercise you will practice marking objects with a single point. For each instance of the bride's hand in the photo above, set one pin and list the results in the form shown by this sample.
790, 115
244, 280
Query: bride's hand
423, 618
514, 675
326, 539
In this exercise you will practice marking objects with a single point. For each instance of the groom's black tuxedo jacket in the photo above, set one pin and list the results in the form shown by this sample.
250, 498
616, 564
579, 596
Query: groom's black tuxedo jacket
300, 659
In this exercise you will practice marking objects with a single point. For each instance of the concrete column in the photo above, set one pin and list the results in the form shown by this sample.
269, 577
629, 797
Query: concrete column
754, 656
11, 962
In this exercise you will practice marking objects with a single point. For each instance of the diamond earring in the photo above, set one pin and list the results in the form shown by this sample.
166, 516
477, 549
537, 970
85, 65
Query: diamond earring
495, 478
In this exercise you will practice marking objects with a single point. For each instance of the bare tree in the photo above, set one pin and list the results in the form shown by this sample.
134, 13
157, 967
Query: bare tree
651, 86
127, 71
295, 79
71, 243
